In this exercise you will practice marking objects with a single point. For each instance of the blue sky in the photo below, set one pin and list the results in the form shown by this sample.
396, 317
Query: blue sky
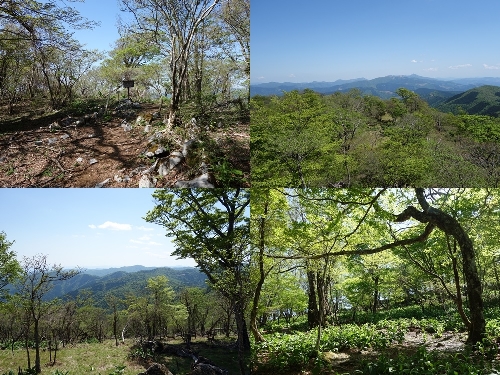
90, 228
326, 40
104, 11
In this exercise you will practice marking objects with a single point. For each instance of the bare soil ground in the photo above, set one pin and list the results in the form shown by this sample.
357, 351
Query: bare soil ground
97, 153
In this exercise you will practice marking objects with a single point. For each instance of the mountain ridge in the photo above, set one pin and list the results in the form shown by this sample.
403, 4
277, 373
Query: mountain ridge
122, 282
383, 87
482, 100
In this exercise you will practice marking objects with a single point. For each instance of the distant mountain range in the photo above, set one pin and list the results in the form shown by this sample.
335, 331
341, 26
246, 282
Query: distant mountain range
124, 280
107, 271
384, 87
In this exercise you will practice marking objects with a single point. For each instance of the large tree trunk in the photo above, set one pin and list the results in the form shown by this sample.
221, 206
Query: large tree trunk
243, 338
262, 274
312, 304
452, 227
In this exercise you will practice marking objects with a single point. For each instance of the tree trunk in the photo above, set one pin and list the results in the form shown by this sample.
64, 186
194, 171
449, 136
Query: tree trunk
115, 320
375, 294
451, 226
497, 279
256, 297
27, 351
38, 367
322, 300
312, 304
243, 338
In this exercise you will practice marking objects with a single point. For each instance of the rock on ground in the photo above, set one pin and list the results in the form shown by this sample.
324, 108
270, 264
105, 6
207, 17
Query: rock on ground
156, 369
145, 182
202, 181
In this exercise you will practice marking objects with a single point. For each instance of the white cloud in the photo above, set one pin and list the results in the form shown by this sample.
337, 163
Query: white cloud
261, 77
145, 241
491, 66
431, 70
413, 61
92, 226
460, 66
292, 75
145, 238
145, 229
115, 226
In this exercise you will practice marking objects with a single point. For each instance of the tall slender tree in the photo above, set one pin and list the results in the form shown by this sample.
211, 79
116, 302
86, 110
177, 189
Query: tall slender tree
212, 227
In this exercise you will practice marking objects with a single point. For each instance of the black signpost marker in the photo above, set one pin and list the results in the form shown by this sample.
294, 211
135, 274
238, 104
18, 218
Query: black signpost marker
128, 85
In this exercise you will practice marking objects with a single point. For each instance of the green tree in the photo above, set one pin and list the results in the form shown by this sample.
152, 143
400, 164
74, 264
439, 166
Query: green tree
363, 211
174, 24
294, 142
10, 269
114, 303
161, 295
212, 227
37, 279
267, 230
43, 25
411, 100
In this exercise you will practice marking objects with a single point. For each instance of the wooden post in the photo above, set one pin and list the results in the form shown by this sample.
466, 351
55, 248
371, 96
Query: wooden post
128, 85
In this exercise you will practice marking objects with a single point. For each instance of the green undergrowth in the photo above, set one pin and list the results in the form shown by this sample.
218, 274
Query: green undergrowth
424, 362
296, 350
292, 349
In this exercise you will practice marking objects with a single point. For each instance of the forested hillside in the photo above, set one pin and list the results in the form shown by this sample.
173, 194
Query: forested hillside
349, 140
484, 100
122, 283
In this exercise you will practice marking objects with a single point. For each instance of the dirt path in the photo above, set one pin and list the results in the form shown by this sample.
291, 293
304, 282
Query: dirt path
98, 154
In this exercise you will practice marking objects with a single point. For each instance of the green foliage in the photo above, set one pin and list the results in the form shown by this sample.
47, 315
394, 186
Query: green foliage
10, 269
482, 128
60, 372
423, 362
294, 141
140, 353
119, 370
305, 139
484, 100
287, 351
226, 174
80, 107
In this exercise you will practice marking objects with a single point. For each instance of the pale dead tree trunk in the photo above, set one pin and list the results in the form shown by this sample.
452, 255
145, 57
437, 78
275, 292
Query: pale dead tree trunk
174, 24
236, 15
181, 47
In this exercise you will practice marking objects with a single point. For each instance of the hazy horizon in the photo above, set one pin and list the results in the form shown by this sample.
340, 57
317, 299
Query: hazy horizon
327, 40
388, 75
88, 228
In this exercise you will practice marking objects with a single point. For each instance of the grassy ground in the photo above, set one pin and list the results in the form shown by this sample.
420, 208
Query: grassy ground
107, 359
75, 360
